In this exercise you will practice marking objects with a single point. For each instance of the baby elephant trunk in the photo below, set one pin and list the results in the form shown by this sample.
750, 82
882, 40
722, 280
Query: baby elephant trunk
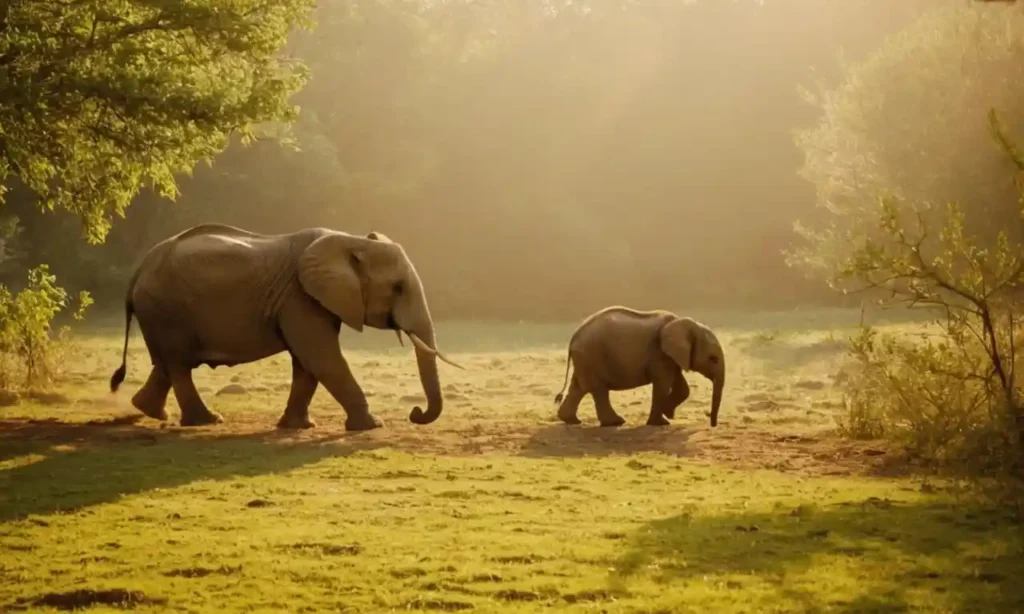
716, 399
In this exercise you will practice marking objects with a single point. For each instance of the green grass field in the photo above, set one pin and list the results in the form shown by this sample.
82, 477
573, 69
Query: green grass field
496, 507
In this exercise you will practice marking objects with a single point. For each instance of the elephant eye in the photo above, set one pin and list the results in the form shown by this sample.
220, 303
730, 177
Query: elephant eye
713, 359
397, 288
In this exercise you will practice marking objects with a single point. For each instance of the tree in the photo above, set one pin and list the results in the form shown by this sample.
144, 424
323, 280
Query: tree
913, 161
599, 144
910, 121
101, 98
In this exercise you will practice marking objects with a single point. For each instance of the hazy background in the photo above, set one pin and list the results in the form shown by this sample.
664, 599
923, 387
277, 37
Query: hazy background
537, 163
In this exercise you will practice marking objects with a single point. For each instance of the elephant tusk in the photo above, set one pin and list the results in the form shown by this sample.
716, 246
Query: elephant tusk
426, 348
398, 333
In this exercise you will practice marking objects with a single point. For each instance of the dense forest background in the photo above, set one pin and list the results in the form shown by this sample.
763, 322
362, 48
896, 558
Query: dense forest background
538, 160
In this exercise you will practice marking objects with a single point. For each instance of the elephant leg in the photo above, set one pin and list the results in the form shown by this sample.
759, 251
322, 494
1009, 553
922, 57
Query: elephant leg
680, 392
571, 403
312, 335
605, 412
193, 411
659, 403
662, 373
296, 412
151, 399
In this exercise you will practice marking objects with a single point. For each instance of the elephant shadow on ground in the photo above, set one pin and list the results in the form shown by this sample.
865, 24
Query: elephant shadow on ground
562, 440
48, 465
785, 551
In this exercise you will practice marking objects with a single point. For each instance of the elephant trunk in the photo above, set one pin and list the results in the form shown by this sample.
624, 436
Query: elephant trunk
426, 361
716, 398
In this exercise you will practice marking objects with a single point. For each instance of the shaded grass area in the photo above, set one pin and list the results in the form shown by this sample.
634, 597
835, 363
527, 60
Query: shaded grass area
244, 522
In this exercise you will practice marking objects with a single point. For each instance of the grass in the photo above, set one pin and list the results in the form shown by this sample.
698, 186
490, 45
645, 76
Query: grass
496, 507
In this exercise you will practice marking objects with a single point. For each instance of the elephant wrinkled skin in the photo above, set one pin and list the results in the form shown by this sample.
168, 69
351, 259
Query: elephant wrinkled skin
221, 296
618, 348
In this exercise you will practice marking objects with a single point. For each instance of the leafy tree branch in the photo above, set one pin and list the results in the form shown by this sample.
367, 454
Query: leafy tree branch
101, 98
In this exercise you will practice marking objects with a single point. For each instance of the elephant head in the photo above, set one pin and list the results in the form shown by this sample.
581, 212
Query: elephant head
370, 281
695, 348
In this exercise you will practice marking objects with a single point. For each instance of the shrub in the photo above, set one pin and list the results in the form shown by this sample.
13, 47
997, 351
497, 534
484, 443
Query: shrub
951, 396
32, 354
936, 396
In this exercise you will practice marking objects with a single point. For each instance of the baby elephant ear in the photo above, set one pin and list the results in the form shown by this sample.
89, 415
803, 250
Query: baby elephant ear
327, 270
378, 236
678, 340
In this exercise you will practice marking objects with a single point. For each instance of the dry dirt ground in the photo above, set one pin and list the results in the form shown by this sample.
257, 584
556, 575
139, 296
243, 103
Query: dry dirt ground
778, 411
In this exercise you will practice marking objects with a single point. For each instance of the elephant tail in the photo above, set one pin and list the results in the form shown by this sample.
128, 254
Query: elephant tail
118, 377
568, 362
129, 311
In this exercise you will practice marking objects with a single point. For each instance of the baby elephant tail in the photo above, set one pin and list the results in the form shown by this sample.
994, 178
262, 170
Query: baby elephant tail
568, 361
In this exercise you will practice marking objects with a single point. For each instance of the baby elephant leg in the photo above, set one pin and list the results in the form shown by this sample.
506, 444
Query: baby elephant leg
662, 374
571, 403
605, 412
680, 392
659, 405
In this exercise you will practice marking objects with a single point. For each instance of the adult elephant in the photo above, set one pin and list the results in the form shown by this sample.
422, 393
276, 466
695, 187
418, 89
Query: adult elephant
221, 296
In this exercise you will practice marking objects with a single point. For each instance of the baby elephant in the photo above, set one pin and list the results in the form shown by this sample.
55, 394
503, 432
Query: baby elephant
619, 348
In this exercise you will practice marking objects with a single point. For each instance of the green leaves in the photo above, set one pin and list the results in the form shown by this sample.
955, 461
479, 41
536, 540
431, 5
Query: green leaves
916, 121
103, 97
30, 354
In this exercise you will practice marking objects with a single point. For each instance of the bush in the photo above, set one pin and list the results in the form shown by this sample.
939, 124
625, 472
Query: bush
32, 355
937, 397
950, 397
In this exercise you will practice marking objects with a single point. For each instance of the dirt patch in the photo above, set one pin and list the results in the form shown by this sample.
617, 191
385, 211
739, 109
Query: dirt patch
593, 596
48, 398
517, 595
28, 436
126, 420
517, 560
232, 389
85, 598
791, 353
819, 452
202, 572
444, 605
327, 549
810, 384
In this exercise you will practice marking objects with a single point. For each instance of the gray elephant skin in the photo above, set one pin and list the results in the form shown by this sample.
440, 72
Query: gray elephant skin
221, 296
618, 348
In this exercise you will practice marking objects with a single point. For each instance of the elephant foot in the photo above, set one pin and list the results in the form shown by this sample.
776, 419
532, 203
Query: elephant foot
569, 418
157, 412
295, 421
612, 421
205, 419
657, 420
364, 422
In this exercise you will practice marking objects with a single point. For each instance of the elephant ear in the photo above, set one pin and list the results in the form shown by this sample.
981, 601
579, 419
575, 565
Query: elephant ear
328, 272
678, 339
